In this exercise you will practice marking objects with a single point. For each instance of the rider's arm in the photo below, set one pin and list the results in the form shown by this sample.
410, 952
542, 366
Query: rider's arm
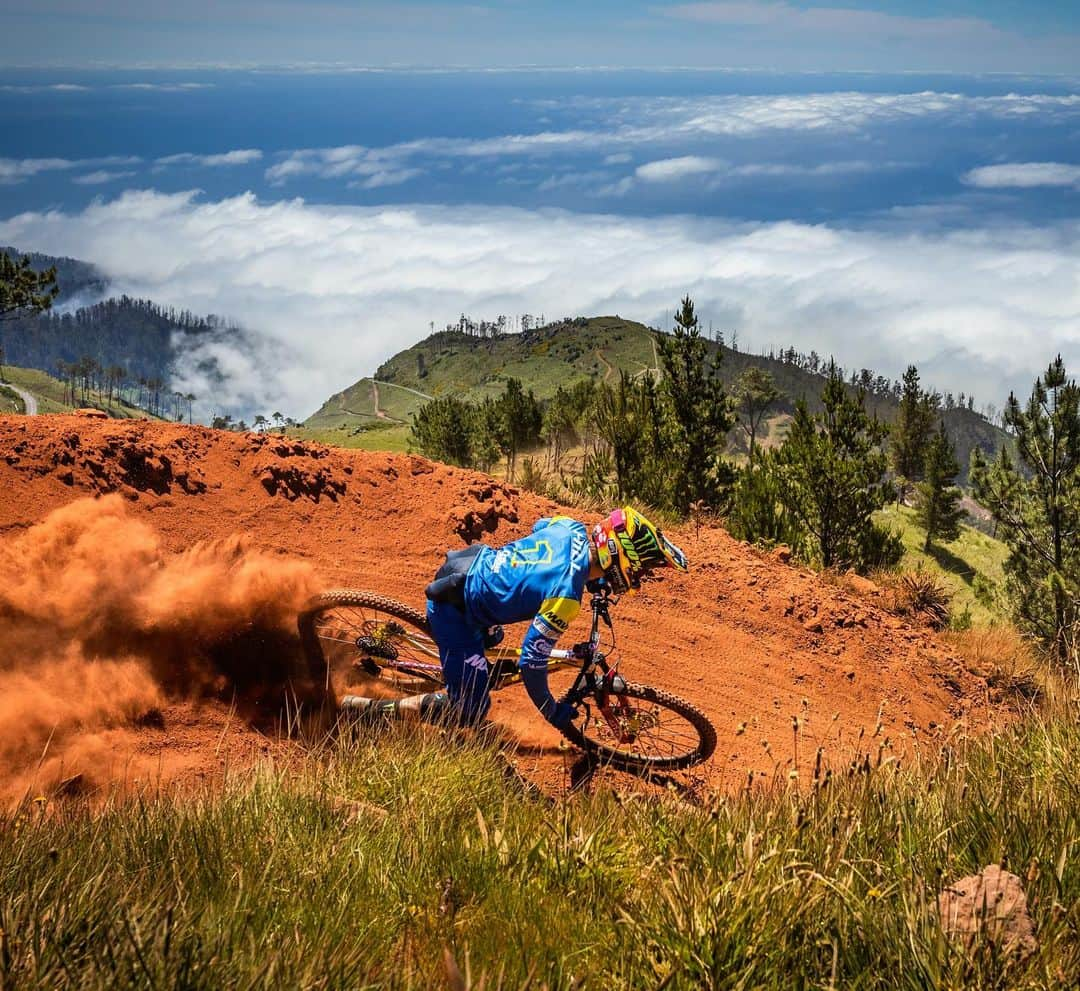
551, 622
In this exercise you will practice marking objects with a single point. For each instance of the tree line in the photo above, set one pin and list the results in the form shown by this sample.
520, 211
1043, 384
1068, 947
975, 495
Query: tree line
114, 352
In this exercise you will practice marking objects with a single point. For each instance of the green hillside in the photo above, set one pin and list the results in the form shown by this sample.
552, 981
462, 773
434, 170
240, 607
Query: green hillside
52, 395
971, 567
451, 362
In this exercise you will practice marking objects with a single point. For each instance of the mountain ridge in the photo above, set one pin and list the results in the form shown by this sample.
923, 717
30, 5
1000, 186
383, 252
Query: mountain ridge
452, 362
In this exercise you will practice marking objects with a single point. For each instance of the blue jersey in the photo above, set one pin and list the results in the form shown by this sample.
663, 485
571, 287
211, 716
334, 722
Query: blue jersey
540, 577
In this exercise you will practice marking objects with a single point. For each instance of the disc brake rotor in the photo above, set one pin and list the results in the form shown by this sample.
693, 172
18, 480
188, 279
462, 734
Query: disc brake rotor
379, 643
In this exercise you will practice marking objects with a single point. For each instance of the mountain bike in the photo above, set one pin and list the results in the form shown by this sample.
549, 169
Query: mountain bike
348, 633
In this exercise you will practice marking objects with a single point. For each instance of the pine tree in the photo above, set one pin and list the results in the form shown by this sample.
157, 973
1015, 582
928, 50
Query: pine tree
558, 428
629, 418
755, 395
24, 291
832, 479
699, 415
488, 430
1036, 505
522, 418
937, 507
911, 432
443, 430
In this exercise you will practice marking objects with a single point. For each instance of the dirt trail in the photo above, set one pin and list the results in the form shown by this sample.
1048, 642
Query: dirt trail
28, 398
753, 641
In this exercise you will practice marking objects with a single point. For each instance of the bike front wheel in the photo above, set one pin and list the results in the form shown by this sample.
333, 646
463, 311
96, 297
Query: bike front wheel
640, 728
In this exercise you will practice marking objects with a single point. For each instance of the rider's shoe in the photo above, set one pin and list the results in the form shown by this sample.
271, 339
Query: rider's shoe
368, 710
430, 708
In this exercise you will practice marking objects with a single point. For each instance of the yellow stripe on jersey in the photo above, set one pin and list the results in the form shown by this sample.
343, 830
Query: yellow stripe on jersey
558, 614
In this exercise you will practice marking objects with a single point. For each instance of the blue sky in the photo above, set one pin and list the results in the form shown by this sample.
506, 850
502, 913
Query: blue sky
1040, 36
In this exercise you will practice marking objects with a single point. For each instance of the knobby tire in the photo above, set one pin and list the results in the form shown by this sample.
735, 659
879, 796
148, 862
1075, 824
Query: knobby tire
699, 731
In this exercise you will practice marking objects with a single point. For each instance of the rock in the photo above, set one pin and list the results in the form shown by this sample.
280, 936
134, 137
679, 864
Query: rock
94, 414
859, 584
782, 554
991, 904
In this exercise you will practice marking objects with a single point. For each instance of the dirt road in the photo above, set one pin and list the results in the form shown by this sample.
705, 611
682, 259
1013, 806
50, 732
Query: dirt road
28, 398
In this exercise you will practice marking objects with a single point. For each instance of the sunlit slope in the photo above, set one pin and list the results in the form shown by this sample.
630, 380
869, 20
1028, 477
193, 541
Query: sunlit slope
971, 567
53, 397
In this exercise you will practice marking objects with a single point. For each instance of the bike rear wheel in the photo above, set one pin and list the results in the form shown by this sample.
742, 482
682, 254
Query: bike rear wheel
350, 634
649, 730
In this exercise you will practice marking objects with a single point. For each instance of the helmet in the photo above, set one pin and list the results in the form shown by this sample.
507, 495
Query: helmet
628, 545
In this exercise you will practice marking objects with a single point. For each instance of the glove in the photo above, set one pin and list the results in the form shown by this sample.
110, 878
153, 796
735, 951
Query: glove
562, 714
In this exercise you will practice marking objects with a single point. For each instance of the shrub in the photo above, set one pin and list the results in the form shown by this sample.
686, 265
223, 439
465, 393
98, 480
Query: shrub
532, 477
921, 594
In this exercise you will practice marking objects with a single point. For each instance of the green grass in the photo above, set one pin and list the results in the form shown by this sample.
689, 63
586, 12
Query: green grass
971, 566
48, 390
391, 437
368, 865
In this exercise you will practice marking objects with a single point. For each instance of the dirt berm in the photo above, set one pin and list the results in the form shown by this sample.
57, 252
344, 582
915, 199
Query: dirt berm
152, 573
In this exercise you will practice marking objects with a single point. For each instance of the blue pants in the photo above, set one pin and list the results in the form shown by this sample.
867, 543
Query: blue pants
465, 668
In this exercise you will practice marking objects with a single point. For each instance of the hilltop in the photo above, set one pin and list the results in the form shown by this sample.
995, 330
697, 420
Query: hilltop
375, 412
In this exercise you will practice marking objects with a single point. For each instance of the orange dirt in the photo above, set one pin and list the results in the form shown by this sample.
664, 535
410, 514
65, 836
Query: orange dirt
141, 634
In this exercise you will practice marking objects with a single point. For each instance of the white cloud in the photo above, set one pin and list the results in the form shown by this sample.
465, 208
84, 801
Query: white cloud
15, 170
587, 179
673, 169
46, 88
340, 288
386, 177
1024, 175
842, 112
791, 170
720, 172
100, 177
163, 87
651, 122
353, 160
240, 156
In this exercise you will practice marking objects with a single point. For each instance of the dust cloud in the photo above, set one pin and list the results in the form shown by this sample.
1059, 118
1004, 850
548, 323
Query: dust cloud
100, 626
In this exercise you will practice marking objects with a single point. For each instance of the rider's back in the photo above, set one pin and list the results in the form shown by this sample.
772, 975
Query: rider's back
542, 573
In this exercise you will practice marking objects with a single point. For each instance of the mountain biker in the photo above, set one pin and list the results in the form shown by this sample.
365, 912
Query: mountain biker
541, 577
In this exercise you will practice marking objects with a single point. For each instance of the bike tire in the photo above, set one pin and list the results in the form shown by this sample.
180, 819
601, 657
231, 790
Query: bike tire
694, 744
353, 613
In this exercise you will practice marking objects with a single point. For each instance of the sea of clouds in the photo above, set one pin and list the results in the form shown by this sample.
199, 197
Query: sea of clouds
327, 292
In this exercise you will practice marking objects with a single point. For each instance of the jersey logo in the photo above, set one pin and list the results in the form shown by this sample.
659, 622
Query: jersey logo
539, 553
